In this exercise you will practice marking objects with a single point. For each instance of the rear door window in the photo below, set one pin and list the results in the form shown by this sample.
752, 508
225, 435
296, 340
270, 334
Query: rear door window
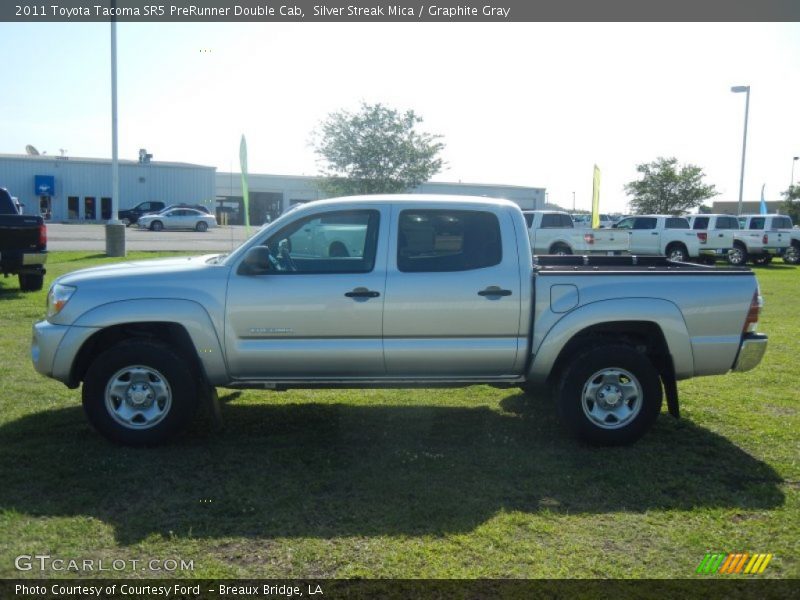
677, 223
447, 240
727, 223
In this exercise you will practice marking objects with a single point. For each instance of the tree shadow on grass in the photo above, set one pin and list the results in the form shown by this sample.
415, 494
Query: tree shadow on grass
328, 470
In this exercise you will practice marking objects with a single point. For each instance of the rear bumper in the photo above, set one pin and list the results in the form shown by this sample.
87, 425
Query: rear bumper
751, 351
714, 251
12, 261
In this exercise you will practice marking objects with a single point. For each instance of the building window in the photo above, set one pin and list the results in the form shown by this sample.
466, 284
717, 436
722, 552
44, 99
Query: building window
73, 203
105, 208
89, 208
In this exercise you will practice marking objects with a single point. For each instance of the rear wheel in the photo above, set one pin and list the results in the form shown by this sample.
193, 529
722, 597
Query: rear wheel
156, 226
609, 395
201, 226
139, 393
677, 253
561, 250
31, 282
737, 256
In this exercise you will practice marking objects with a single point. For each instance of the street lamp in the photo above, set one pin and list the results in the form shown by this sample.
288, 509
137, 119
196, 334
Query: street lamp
115, 230
794, 160
573, 198
738, 89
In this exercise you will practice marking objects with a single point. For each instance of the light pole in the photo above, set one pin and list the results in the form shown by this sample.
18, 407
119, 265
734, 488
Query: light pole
737, 89
115, 230
794, 160
573, 199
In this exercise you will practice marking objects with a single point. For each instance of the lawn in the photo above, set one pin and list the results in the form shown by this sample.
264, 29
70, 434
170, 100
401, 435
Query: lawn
474, 482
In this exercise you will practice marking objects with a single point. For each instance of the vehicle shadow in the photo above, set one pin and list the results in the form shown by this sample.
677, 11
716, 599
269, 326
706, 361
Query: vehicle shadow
326, 470
9, 288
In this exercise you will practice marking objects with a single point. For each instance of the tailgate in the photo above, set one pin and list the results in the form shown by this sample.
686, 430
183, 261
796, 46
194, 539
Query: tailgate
19, 233
610, 239
718, 239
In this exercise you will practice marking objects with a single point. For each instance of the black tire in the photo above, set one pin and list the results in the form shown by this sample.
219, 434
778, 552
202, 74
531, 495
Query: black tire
154, 366
201, 226
561, 250
31, 282
156, 226
762, 260
737, 256
677, 253
792, 254
582, 411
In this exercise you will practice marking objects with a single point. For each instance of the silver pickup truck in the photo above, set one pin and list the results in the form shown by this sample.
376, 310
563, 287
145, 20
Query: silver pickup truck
433, 291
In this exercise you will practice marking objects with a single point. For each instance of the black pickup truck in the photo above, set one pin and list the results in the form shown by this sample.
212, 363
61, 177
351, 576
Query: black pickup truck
23, 245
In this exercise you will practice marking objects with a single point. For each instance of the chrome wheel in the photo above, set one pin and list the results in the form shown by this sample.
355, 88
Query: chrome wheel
611, 398
736, 256
677, 255
792, 255
138, 397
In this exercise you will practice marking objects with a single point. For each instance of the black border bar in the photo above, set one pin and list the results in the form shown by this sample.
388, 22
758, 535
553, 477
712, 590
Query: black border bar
371, 11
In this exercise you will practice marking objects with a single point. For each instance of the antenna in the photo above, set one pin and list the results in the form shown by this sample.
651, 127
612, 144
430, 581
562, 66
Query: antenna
31, 150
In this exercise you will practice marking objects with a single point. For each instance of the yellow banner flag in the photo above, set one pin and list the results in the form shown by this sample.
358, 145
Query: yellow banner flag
596, 199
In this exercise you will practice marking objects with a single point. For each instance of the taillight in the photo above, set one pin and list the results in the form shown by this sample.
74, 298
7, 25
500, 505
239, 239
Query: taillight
751, 321
765, 239
588, 238
702, 236
43, 236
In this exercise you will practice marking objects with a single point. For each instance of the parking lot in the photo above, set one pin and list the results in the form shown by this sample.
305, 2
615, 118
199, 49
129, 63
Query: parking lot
62, 236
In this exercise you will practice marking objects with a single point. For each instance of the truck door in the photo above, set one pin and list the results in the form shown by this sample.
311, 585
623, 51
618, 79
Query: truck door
452, 294
644, 237
317, 311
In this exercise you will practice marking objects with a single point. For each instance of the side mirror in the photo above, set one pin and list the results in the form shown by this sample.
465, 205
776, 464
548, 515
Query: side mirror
256, 261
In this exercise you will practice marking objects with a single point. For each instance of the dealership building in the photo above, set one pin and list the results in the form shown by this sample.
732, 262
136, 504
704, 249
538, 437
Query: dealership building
70, 189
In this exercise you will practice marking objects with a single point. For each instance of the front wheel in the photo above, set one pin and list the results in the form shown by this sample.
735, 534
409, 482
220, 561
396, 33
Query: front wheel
762, 260
792, 255
156, 226
139, 393
737, 256
561, 250
609, 395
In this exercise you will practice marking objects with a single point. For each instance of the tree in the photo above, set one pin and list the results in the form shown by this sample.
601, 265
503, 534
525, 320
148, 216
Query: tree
791, 204
376, 150
667, 188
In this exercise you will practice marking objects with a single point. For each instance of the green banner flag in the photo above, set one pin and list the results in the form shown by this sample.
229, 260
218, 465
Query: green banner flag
245, 191
596, 198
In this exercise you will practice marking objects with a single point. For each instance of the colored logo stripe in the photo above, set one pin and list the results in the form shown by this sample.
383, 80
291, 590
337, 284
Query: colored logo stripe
734, 563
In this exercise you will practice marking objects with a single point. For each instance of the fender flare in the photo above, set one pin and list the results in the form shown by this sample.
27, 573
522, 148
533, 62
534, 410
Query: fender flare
669, 320
191, 315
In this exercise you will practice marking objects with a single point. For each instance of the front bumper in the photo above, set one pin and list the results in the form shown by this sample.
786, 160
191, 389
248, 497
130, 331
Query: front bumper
751, 351
54, 348
45, 342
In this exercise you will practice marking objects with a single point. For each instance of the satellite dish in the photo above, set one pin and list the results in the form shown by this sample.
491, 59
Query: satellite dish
31, 150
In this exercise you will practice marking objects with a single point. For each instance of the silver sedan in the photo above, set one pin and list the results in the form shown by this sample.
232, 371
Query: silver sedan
178, 218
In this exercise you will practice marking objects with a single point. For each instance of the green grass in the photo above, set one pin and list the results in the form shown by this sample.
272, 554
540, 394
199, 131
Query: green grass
474, 482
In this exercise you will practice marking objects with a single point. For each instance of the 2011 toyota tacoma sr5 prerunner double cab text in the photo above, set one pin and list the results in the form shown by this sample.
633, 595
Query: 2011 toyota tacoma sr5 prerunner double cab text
399, 291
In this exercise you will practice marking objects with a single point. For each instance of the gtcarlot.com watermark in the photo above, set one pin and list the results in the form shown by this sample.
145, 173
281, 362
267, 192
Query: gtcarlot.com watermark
45, 562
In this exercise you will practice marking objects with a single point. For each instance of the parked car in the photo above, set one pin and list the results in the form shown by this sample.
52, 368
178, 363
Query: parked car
662, 235
131, 215
23, 244
716, 233
442, 291
199, 207
178, 218
553, 232
762, 237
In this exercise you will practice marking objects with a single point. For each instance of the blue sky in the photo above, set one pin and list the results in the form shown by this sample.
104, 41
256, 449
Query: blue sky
517, 103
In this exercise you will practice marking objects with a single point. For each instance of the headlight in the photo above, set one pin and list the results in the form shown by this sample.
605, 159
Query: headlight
57, 298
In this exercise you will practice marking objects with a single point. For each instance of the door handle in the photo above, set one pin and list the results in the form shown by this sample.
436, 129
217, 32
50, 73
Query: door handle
653, 233
361, 292
493, 290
